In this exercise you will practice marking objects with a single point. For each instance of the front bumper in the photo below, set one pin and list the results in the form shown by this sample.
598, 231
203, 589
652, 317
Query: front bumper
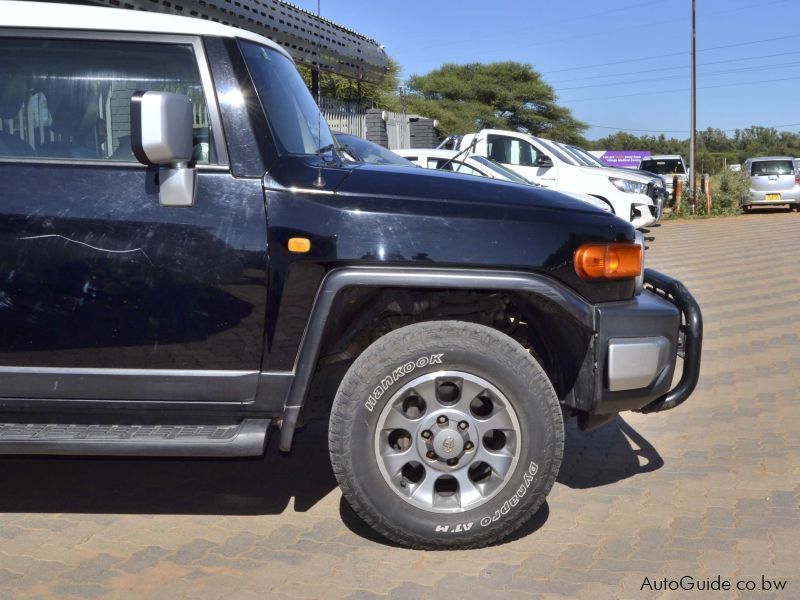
637, 346
643, 216
659, 196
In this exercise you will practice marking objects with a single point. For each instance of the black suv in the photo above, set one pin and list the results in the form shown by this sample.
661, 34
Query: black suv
186, 254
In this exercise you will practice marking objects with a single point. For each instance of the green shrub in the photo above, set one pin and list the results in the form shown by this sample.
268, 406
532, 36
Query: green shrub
728, 191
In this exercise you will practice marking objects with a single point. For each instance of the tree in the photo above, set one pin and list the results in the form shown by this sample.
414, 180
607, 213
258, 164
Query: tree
714, 147
377, 95
506, 95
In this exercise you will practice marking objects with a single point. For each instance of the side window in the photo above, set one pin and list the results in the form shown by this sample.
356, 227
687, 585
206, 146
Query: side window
70, 99
460, 167
453, 165
511, 151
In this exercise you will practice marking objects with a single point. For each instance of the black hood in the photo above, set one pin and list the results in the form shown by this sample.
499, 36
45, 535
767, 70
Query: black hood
441, 185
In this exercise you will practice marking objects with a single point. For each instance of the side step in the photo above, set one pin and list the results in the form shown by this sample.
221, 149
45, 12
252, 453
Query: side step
247, 438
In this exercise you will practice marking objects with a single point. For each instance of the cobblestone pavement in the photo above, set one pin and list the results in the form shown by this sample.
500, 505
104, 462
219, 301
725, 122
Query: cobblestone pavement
708, 489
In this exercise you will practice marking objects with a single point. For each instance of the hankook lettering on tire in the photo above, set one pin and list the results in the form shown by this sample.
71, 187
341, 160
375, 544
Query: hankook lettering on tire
399, 373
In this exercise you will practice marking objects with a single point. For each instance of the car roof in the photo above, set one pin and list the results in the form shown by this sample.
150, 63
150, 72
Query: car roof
663, 157
25, 15
760, 158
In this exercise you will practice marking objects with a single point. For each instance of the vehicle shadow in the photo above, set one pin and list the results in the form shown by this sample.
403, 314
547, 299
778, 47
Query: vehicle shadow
270, 484
354, 523
611, 453
262, 485
769, 210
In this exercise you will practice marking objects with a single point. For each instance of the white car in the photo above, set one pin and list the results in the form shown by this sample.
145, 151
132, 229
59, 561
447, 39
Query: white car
656, 186
475, 164
668, 166
543, 162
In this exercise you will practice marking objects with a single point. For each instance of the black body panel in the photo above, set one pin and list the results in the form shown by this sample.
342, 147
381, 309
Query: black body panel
417, 218
95, 274
249, 141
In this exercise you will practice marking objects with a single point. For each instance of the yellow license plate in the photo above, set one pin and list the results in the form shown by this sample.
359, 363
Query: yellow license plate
773, 196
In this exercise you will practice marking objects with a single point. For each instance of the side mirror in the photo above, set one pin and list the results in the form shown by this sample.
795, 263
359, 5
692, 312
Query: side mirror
543, 161
161, 134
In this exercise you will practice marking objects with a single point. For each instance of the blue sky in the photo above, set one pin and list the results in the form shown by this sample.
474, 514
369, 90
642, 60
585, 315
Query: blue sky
748, 53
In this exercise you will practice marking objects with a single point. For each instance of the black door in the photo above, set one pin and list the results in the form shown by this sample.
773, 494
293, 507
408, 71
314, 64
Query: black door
105, 294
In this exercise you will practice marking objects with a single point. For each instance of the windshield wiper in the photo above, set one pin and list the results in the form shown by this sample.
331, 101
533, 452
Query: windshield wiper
332, 148
348, 149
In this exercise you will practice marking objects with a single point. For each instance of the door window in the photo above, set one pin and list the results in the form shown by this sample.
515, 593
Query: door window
511, 151
70, 99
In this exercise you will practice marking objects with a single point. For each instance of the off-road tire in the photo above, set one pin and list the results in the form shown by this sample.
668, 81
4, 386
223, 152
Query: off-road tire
435, 347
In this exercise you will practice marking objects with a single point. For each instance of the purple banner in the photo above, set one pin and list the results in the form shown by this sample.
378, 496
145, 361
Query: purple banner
627, 159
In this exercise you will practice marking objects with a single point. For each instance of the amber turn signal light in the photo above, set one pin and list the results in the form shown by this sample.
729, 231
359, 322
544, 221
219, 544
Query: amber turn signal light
608, 261
299, 245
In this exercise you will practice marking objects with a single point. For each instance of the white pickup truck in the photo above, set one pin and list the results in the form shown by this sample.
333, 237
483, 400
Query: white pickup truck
669, 166
543, 162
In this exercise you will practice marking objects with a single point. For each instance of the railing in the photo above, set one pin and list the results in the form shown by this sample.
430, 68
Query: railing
345, 117
351, 117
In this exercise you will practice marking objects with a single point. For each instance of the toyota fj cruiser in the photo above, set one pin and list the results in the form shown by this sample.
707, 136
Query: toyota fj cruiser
186, 253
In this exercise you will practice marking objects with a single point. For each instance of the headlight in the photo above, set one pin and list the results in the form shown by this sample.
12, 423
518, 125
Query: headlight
629, 186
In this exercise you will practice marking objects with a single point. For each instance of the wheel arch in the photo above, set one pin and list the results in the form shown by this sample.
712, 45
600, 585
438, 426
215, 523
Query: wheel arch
539, 298
607, 201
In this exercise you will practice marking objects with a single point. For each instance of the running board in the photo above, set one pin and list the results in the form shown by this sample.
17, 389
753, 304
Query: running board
247, 438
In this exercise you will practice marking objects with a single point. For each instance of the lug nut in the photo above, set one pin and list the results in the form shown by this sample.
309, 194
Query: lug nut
441, 420
426, 434
431, 454
452, 462
469, 446
463, 425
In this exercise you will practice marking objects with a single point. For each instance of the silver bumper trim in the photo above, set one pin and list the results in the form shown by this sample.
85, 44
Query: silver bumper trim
633, 363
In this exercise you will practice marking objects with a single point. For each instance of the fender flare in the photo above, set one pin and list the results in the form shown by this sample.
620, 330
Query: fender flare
410, 277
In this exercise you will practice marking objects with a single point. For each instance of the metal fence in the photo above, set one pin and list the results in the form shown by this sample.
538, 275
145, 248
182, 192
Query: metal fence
351, 117
399, 130
345, 117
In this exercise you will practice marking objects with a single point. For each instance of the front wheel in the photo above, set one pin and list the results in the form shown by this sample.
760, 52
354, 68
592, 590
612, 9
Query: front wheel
446, 434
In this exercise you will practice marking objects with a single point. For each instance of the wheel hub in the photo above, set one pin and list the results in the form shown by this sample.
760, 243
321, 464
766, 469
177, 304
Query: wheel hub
445, 438
447, 441
448, 444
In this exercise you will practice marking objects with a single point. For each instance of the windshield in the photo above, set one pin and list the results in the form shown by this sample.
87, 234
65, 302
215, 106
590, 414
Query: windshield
295, 120
365, 151
772, 167
558, 152
580, 159
499, 169
592, 160
663, 166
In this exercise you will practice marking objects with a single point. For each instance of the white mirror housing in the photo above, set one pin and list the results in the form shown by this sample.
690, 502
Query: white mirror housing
161, 135
161, 128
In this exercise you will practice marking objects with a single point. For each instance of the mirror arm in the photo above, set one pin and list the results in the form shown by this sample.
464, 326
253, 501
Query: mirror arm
177, 184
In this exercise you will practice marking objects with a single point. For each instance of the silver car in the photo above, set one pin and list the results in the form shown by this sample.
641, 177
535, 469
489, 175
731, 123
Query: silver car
773, 180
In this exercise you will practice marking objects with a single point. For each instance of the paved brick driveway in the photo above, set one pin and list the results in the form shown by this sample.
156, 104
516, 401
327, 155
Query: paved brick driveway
710, 488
